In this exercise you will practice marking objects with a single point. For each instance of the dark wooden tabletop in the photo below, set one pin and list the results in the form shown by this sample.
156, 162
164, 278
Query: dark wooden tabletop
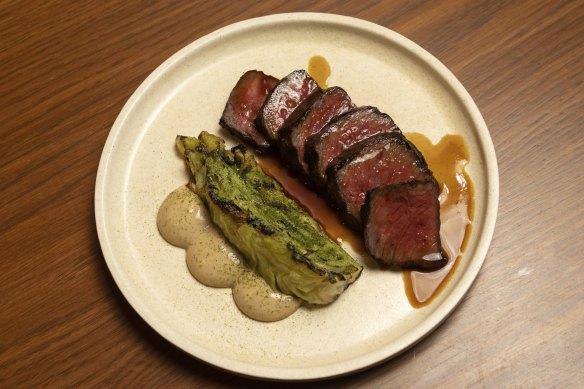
67, 68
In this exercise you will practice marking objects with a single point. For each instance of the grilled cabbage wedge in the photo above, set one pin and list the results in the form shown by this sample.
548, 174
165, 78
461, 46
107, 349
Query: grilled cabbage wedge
280, 241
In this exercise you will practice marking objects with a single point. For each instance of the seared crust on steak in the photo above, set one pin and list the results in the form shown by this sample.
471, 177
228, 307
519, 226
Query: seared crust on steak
348, 129
287, 102
386, 158
402, 225
243, 105
332, 103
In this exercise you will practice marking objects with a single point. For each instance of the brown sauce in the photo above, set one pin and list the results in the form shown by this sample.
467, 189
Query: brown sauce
320, 70
447, 160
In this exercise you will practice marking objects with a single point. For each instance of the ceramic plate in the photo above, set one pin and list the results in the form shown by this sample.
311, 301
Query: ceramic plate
372, 321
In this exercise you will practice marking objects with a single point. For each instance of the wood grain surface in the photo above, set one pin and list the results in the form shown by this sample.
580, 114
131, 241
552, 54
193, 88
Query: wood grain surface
66, 70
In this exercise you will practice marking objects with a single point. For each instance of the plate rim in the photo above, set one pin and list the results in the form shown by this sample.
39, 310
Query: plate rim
368, 360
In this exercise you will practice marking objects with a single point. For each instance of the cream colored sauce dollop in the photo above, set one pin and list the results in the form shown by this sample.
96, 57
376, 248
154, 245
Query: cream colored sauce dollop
183, 221
181, 218
254, 297
212, 262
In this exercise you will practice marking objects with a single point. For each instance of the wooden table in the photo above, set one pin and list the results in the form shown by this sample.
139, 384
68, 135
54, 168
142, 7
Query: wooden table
67, 68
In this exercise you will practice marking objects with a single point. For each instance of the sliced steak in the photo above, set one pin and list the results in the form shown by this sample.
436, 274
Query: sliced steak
402, 225
243, 105
289, 100
328, 106
386, 158
348, 129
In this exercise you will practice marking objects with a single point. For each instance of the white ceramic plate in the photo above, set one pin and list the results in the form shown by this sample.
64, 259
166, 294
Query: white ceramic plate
372, 321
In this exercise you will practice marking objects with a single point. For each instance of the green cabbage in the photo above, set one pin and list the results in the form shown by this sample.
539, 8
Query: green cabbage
280, 241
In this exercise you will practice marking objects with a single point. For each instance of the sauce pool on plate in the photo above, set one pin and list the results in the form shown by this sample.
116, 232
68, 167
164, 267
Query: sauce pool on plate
320, 70
447, 160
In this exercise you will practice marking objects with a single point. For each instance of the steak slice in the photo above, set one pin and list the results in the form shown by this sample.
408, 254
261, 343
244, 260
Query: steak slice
243, 105
332, 103
287, 102
386, 158
348, 129
402, 225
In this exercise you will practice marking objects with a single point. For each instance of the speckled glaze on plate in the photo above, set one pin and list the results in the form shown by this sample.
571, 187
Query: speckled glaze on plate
372, 321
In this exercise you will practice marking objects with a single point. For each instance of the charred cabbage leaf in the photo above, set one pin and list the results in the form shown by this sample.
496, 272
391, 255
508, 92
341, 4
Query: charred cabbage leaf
280, 241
